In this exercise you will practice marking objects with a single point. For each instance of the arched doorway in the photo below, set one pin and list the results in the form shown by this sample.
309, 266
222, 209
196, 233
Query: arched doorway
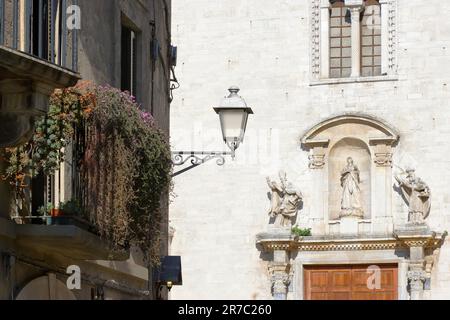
45, 288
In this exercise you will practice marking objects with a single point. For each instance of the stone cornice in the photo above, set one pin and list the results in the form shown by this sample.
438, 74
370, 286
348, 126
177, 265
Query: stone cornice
270, 241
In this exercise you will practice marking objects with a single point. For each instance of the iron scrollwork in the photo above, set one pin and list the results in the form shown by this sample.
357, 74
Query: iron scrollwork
196, 159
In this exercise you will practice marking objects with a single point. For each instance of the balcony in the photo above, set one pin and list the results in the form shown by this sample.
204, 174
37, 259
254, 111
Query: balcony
55, 216
39, 28
65, 240
37, 55
91, 180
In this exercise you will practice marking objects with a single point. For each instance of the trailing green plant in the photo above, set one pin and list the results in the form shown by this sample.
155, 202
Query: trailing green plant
72, 208
300, 232
45, 150
125, 163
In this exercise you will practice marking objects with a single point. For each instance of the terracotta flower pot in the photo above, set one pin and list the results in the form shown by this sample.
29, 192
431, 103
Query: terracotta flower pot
56, 213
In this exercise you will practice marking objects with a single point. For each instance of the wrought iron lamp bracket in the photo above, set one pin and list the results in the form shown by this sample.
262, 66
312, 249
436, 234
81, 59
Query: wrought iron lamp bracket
197, 158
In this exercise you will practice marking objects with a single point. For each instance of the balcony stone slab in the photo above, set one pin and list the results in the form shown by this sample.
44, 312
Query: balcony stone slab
65, 240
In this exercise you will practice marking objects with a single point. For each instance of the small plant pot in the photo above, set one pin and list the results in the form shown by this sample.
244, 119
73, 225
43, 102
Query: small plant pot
56, 213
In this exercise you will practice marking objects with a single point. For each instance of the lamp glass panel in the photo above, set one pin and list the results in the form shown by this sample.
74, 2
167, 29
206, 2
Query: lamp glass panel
232, 124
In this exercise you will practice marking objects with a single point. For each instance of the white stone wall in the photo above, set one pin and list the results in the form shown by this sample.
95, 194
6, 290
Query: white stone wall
264, 47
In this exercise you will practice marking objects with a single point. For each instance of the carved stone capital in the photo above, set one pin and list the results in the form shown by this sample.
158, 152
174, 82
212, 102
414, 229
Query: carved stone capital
316, 161
416, 280
383, 159
280, 278
317, 152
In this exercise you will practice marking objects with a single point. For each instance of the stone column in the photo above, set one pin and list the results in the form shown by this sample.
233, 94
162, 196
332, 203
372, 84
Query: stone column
418, 238
416, 274
416, 281
324, 39
355, 7
279, 271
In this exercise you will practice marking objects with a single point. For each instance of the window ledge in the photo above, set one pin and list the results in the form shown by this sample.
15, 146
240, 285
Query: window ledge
353, 80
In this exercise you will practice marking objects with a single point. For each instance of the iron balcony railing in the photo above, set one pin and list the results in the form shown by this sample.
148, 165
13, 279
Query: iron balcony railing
40, 28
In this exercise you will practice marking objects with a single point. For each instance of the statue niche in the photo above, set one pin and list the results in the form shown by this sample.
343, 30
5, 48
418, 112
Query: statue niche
351, 191
349, 179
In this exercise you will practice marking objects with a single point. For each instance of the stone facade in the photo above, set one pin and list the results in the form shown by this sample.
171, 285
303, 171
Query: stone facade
307, 124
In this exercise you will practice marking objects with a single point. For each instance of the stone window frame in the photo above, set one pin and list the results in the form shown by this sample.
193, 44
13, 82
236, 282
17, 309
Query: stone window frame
320, 60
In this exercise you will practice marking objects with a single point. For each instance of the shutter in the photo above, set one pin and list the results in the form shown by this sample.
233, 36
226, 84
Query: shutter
133, 63
126, 54
2, 21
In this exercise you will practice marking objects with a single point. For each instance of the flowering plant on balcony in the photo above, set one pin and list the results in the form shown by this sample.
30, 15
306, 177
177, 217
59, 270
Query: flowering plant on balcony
123, 161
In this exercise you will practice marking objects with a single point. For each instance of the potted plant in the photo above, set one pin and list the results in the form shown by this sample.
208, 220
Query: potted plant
56, 212
45, 210
71, 208
300, 232
73, 214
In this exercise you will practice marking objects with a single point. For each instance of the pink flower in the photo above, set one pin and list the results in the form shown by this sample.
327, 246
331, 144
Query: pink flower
147, 117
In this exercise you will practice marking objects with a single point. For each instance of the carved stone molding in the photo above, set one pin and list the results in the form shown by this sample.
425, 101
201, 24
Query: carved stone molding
315, 38
392, 36
284, 241
421, 238
330, 245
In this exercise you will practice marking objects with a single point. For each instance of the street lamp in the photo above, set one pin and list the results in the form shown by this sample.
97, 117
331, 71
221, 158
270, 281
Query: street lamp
233, 114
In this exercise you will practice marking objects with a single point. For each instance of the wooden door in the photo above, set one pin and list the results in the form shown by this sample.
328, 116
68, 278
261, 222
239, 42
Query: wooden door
349, 282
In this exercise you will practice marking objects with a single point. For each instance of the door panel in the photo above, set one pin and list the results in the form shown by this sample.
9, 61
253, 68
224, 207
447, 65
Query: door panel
350, 282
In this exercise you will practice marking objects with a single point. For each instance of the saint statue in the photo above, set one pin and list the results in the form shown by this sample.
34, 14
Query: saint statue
351, 192
285, 201
418, 194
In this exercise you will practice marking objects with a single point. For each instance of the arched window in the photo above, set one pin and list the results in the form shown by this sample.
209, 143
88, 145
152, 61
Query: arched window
340, 40
371, 39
